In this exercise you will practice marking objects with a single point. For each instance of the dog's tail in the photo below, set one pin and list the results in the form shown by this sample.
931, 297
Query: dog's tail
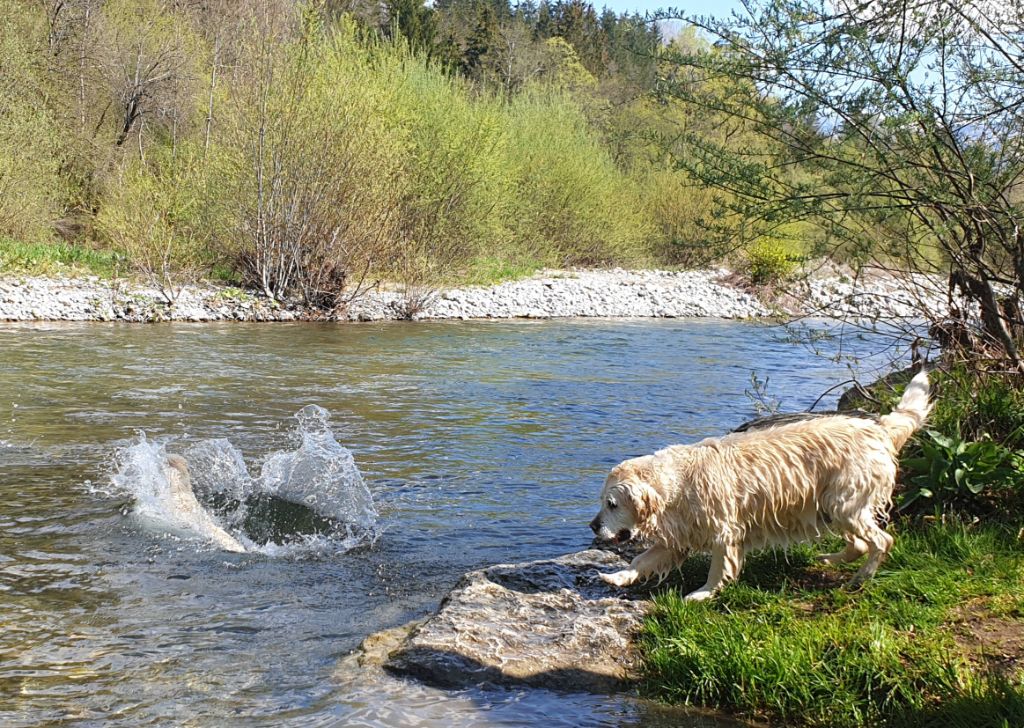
911, 412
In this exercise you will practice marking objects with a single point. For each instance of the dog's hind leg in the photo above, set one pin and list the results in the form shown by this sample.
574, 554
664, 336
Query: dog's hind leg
726, 562
656, 560
879, 544
855, 548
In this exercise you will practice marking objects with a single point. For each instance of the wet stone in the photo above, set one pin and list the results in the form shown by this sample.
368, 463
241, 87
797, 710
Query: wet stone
551, 624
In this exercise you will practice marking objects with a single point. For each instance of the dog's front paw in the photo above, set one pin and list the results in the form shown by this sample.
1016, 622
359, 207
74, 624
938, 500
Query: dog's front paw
620, 578
699, 596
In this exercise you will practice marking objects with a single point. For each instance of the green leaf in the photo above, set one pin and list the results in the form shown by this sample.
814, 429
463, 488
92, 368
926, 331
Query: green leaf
940, 439
916, 465
976, 486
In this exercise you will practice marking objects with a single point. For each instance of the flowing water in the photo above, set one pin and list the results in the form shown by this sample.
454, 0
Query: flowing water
478, 443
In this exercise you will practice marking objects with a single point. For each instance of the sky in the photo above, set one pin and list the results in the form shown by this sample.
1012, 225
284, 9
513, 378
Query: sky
688, 7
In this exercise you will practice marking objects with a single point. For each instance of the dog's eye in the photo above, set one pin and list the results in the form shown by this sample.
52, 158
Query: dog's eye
612, 504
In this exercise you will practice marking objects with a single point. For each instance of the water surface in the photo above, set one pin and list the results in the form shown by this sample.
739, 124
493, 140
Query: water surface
480, 442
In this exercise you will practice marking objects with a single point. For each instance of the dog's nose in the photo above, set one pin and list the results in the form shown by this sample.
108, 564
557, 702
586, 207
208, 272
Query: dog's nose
595, 525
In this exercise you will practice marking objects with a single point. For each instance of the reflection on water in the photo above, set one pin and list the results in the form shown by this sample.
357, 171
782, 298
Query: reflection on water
480, 443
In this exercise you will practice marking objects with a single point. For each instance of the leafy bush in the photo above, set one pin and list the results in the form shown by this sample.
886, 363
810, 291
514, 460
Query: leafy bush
950, 470
309, 167
152, 212
570, 200
968, 457
457, 191
30, 153
682, 211
770, 260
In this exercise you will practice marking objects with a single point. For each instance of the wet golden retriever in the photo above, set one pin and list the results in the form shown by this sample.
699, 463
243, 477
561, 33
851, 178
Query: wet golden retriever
187, 513
761, 488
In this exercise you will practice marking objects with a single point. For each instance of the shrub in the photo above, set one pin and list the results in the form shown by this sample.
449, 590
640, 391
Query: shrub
771, 260
310, 168
153, 213
30, 154
681, 211
950, 471
966, 459
457, 190
571, 203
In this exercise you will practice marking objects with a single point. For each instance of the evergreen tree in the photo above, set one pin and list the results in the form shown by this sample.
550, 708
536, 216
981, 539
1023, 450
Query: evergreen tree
481, 41
415, 22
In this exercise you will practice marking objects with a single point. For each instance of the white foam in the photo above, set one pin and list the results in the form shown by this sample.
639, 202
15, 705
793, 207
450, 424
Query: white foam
143, 474
218, 469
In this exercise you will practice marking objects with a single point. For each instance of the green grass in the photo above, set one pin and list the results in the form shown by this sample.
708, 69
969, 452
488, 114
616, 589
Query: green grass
487, 271
790, 644
47, 259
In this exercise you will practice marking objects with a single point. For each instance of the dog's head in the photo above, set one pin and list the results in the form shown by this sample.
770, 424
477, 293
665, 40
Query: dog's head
177, 474
628, 501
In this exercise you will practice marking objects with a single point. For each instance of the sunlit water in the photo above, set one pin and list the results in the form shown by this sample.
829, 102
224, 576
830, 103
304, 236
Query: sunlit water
478, 442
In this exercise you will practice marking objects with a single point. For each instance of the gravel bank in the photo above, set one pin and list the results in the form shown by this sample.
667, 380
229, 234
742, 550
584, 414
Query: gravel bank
552, 294
569, 294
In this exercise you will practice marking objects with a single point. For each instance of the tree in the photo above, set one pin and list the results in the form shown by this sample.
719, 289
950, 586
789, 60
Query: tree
150, 51
481, 41
415, 22
906, 119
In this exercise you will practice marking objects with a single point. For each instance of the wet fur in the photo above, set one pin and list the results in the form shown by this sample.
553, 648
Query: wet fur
189, 512
762, 488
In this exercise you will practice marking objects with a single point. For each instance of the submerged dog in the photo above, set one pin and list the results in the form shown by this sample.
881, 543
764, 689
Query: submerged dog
188, 513
761, 488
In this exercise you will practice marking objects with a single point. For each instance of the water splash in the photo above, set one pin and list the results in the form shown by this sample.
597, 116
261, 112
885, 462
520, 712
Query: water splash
221, 479
306, 502
320, 474
160, 502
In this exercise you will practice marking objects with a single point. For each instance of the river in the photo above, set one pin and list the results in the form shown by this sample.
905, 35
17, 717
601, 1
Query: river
480, 442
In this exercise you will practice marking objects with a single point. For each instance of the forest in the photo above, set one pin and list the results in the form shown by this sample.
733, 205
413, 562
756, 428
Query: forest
308, 149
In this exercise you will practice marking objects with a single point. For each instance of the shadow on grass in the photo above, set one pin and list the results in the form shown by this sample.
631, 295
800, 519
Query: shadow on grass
997, 703
775, 572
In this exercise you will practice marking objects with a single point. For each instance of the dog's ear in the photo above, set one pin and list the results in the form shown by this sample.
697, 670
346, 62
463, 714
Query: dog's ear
646, 500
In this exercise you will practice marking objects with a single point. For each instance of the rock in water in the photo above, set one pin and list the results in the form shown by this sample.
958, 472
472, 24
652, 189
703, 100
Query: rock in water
551, 624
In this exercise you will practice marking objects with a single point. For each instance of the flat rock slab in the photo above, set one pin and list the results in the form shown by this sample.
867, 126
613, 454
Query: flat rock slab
551, 624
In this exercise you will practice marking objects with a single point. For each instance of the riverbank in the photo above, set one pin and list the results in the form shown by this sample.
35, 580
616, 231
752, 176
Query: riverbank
549, 294
934, 639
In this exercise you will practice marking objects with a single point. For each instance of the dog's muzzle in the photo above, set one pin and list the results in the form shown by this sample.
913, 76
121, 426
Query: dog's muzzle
622, 536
